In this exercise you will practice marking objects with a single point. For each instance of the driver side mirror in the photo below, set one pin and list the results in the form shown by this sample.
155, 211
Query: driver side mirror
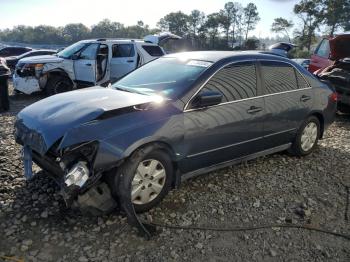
206, 98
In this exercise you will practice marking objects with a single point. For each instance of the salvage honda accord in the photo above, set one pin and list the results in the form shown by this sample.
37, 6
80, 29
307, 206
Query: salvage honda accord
176, 117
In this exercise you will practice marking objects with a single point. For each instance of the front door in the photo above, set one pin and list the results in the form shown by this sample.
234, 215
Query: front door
124, 60
288, 101
85, 65
230, 130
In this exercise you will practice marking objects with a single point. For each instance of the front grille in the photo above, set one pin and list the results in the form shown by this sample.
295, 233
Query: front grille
27, 136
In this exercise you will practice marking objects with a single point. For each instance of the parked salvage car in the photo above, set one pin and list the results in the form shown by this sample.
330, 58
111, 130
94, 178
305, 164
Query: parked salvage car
13, 50
281, 48
339, 75
86, 63
174, 118
11, 61
330, 50
331, 62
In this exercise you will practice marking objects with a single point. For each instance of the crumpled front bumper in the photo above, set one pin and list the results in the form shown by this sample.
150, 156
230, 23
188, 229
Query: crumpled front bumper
26, 85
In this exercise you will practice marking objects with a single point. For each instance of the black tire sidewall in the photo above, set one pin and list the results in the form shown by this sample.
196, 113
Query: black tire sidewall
297, 144
52, 82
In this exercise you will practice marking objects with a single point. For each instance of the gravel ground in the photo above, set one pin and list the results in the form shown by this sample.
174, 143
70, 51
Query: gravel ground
270, 190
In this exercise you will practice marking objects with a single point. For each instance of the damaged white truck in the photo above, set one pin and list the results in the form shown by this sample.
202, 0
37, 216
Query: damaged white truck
86, 63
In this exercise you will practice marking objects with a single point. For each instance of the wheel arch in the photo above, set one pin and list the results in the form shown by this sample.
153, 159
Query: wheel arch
164, 146
58, 72
320, 118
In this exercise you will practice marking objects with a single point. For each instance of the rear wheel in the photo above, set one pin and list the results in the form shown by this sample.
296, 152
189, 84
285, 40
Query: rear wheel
307, 137
58, 84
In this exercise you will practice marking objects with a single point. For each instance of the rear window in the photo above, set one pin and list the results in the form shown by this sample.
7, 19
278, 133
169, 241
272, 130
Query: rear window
153, 50
123, 50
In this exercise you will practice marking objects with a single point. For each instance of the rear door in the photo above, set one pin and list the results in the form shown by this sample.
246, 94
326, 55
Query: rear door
231, 129
124, 60
288, 101
320, 59
85, 65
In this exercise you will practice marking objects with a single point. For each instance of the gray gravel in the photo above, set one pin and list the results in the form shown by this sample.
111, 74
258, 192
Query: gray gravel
273, 189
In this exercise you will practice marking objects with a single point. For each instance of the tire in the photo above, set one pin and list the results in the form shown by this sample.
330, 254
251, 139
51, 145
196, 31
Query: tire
143, 184
307, 137
58, 84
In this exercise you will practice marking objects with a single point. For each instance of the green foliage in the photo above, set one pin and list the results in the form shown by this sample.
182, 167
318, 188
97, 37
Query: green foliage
250, 19
251, 44
281, 25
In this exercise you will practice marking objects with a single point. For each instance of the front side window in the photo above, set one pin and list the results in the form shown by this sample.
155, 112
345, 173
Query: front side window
234, 82
90, 52
323, 49
278, 77
123, 50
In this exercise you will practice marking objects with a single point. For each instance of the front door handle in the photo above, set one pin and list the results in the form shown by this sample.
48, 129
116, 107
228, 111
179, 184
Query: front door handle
130, 61
88, 64
305, 98
254, 109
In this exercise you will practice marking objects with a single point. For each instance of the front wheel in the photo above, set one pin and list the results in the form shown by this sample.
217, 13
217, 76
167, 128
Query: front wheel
58, 84
150, 172
307, 137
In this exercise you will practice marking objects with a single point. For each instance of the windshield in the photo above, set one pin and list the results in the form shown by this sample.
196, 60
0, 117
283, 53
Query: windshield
71, 50
168, 77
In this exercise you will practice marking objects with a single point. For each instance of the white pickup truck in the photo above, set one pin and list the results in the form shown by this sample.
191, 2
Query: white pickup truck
86, 63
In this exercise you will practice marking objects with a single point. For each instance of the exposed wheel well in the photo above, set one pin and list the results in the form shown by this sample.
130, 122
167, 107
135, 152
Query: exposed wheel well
321, 119
58, 73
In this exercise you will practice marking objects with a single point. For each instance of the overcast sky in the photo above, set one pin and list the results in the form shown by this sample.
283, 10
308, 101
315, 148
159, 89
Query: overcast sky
128, 12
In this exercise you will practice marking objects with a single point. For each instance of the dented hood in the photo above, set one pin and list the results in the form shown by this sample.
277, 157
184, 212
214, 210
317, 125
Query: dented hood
41, 59
339, 47
52, 117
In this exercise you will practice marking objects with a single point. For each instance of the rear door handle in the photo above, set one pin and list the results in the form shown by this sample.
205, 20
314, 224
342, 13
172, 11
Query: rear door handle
130, 61
88, 64
254, 109
305, 98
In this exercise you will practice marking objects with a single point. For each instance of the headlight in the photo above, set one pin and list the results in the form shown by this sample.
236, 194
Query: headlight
31, 70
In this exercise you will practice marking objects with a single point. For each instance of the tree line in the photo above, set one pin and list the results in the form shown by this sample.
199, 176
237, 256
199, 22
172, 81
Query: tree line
228, 28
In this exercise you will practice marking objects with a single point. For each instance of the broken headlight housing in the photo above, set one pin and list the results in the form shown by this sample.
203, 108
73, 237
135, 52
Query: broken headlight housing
31, 70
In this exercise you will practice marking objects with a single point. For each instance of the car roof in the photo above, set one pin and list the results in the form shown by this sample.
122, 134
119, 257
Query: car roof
115, 40
215, 56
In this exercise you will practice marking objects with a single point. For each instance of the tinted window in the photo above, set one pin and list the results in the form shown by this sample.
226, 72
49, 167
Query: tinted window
237, 81
89, 52
278, 77
301, 81
123, 50
153, 50
323, 49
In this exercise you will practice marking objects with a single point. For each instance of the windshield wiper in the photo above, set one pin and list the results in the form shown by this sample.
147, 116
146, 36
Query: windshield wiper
128, 90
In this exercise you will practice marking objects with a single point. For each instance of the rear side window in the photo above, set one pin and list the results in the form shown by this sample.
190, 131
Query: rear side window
235, 82
153, 50
278, 77
302, 83
123, 50
323, 49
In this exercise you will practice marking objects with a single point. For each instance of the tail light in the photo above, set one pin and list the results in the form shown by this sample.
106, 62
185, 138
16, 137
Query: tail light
333, 97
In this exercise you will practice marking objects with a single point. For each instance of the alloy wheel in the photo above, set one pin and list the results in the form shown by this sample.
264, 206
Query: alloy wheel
309, 136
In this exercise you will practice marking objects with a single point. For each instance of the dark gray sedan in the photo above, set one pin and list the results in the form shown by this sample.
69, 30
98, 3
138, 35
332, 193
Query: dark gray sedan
176, 117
